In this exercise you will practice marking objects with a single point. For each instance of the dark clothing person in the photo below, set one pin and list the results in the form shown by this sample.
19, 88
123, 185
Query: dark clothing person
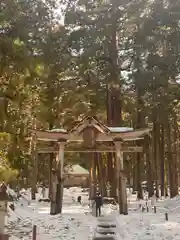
17, 192
79, 199
99, 202
98, 211
12, 207
43, 191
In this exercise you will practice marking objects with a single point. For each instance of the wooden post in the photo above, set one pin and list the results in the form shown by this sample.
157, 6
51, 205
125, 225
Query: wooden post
121, 180
53, 192
154, 209
4, 236
57, 181
34, 233
60, 171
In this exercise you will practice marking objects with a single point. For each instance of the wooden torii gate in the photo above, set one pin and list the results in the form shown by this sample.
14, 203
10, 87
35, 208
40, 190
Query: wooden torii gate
89, 135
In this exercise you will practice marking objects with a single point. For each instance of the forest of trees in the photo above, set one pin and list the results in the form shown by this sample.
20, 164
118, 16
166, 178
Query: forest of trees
118, 60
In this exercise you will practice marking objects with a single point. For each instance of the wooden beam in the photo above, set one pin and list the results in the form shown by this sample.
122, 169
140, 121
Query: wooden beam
99, 149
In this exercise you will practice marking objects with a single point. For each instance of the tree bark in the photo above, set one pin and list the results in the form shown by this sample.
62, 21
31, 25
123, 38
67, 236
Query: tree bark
35, 168
149, 168
94, 175
171, 165
135, 187
138, 169
174, 148
114, 99
51, 156
156, 153
162, 156
102, 175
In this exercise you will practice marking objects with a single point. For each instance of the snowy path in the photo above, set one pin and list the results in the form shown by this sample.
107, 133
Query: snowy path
72, 224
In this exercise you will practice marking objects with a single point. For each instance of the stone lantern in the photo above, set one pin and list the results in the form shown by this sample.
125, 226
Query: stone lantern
4, 199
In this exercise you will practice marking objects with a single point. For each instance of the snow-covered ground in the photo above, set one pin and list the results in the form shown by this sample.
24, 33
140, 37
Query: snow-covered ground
77, 223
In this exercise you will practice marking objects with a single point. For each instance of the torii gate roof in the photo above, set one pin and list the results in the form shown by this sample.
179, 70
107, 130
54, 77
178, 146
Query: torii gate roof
105, 133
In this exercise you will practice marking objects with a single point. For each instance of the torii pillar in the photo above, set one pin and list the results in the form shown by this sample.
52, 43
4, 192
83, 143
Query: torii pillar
58, 180
121, 178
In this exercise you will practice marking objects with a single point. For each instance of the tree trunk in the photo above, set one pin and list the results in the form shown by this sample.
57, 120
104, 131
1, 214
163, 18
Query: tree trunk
99, 175
156, 153
162, 161
35, 169
111, 173
138, 168
149, 168
135, 187
102, 174
140, 123
90, 178
174, 148
51, 156
171, 165
114, 99
93, 175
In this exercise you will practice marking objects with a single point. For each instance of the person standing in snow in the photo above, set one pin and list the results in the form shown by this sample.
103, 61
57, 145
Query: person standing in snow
17, 193
43, 191
99, 202
79, 199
